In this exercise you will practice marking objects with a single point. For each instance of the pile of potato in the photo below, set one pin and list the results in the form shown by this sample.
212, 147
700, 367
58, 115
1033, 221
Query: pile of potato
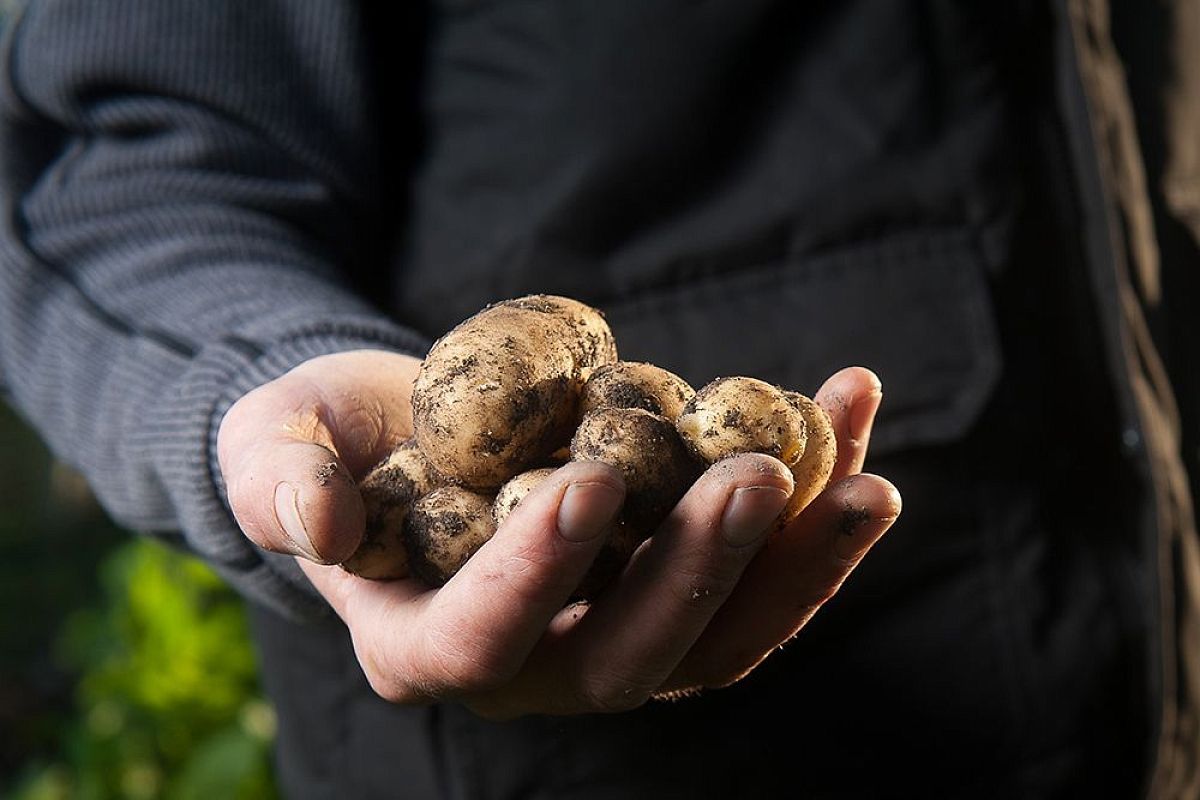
528, 384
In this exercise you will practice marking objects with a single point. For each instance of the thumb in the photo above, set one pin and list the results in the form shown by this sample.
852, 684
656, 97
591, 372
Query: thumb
289, 495
290, 450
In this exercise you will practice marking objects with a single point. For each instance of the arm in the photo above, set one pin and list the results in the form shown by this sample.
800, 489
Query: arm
175, 246
185, 186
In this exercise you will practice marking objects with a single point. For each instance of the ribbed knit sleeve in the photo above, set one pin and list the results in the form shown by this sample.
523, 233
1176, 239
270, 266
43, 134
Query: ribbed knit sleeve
184, 184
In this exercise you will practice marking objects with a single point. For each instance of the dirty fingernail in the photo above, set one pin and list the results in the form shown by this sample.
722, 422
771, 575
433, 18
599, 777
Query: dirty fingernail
287, 513
859, 527
587, 510
749, 513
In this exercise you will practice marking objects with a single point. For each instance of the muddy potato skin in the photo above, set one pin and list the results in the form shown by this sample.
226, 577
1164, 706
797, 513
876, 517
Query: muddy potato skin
811, 473
636, 384
444, 529
742, 415
591, 341
515, 489
499, 392
388, 491
614, 554
656, 466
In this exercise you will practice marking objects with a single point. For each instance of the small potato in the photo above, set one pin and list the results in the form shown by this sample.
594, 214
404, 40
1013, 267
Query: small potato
515, 489
612, 558
812, 471
636, 384
742, 415
388, 492
613, 555
738, 415
499, 393
444, 529
653, 460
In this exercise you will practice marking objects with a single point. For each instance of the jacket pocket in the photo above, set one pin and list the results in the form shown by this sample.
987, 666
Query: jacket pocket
915, 308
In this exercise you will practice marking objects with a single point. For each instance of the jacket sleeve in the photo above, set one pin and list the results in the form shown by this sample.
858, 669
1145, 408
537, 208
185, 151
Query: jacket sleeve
184, 187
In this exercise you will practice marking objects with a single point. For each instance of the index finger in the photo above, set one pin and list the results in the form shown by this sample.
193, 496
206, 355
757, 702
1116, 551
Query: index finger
476, 631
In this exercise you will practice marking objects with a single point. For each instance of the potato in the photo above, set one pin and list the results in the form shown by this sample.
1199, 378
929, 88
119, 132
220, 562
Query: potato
653, 460
811, 473
636, 384
388, 492
614, 553
618, 548
499, 393
515, 489
443, 529
591, 342
738, 415
742, 415
509, 394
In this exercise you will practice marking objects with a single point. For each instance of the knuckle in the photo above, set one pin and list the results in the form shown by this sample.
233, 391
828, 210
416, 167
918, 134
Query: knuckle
528, 574
462, 664
359, 427
705, 590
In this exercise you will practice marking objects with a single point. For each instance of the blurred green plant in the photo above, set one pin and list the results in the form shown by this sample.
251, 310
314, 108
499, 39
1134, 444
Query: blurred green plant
167, 699
127, 669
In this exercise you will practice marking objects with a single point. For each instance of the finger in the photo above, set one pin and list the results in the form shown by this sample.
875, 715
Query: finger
356, 402
289, 451
296, 497
852, 397
476, 631
791, 577
631, 639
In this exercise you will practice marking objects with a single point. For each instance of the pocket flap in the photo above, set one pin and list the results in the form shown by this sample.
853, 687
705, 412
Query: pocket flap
916, 309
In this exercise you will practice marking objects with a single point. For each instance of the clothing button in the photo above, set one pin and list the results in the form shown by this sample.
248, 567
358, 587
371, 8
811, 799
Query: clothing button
1131, 441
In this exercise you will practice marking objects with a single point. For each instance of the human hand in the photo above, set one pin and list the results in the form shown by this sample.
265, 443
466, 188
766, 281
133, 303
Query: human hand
700, 605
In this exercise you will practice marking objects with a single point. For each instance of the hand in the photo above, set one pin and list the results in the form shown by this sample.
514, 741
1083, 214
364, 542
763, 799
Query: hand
700, 605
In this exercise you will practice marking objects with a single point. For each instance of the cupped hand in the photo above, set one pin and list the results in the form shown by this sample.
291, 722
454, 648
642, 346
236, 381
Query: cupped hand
701, 603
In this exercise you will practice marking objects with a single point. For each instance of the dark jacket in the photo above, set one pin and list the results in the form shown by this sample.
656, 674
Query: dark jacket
996, 210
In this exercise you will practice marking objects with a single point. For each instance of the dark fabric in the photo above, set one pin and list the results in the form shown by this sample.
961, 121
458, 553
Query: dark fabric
606, 150
950, 666
196, 196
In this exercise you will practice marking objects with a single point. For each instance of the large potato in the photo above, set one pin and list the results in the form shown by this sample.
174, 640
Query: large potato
500, 392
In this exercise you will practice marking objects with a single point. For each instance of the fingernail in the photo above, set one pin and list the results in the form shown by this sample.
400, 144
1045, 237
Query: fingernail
287, 512
587, 510
859, 529
862, 415
750, 512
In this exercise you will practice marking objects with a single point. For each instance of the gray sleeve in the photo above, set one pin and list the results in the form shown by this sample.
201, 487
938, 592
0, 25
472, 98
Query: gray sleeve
185, 187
